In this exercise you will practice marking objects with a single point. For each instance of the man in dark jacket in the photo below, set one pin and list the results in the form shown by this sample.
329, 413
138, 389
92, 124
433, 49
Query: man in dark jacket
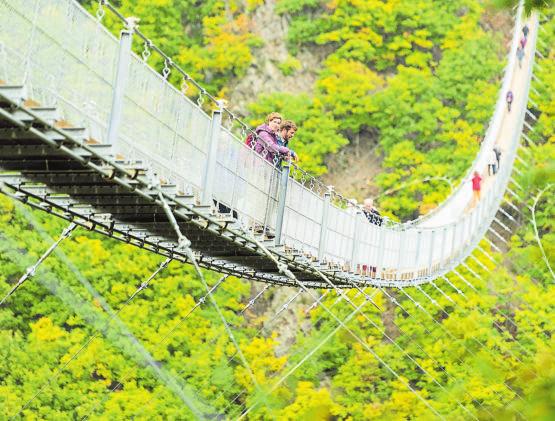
286, 132
372, 213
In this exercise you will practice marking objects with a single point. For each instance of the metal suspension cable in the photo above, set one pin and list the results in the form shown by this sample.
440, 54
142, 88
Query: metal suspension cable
435, 302
275, 374
475, 307
392, 341
185, 244
226, 325
480, 343
92, 337
253, 300
507, 317
453, 337
169, 63
446, 331
396, 303
283, 268
289, 356
198, 303
288, 301
31, 270
281, 309
536, 233
485, 253
523, 303
475, 260
469, 284
494, 261
307, 356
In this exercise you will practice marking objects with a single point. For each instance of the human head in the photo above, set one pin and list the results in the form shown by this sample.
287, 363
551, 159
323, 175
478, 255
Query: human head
288, 129
476, 174
369, 203
273, 120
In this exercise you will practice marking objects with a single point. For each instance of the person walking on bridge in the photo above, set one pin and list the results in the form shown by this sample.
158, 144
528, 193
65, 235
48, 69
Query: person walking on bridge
497, 152
520, 56
523, 42
476, 186
492, 166
509, 99
525, 30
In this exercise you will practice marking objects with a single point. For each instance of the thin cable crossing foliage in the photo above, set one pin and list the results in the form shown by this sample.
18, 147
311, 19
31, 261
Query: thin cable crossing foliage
32, 269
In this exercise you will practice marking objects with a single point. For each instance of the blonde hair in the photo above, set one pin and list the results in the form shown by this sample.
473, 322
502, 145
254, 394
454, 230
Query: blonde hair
271, 116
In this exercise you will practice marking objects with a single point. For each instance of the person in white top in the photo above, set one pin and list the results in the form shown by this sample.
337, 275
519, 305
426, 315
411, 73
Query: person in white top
492, 164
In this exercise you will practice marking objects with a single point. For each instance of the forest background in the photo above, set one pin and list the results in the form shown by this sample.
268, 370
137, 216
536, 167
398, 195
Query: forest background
401, 91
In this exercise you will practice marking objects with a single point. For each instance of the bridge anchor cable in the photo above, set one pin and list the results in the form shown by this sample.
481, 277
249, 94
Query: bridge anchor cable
32, 269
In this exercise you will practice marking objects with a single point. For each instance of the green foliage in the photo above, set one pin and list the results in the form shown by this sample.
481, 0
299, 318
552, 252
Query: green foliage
289, 66
211, 40
425, 96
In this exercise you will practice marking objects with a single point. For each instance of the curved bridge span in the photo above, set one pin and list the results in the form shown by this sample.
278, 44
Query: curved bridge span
89, 132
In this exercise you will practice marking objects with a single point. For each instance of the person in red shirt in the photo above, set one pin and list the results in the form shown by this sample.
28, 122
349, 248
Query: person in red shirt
476, 185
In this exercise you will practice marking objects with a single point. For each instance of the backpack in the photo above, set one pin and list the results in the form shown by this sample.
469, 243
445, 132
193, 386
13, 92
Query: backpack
250, 141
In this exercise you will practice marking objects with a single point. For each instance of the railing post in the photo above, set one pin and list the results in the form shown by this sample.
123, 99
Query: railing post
381, 252
454, 225
324, 225
210, 168
431, 254
417, 250
402, 242
120, 80
443, 244
283, 181
356, 238
467, 229
473, 224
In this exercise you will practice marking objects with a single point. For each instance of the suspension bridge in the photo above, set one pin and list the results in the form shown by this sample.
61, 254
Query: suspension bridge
92, 134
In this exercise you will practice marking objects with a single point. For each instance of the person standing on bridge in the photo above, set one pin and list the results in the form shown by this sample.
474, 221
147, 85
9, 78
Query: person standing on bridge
476, 186
525, 30
520, 56
371, 213
287, 130
497, 152
267, 143
523, 42
492, 166
509, 99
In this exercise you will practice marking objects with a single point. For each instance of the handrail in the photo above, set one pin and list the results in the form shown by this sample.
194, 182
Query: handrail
130, 24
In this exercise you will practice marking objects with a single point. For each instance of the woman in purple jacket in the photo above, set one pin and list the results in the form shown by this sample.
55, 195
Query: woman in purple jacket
267, 143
